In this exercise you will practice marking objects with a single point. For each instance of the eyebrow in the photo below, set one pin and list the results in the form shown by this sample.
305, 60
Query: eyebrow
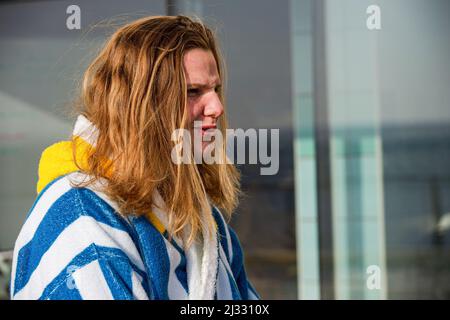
203, 85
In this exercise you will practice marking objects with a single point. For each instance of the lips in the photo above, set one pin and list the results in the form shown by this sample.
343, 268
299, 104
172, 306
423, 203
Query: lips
209, 126
206, 130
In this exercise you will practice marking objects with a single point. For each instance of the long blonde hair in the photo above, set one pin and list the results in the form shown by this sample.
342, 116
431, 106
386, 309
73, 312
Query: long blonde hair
135, 93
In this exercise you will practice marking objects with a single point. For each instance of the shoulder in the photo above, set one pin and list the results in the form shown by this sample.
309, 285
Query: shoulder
67, 226
60, 204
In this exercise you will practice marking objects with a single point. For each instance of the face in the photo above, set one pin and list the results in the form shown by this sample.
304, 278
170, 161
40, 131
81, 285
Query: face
203, 87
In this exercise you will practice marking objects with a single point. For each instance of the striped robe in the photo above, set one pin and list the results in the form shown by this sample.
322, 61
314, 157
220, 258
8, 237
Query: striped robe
75, 245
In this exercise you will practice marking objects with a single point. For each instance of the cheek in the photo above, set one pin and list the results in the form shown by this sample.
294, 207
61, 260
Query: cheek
195, 110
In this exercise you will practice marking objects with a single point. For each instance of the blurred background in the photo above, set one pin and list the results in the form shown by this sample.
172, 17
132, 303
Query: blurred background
360, 208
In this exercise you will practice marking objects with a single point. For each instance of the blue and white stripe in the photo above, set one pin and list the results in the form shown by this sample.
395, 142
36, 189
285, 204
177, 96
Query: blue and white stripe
74, 245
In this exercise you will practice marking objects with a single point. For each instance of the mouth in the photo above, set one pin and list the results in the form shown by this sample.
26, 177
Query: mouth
208, 133
209, 126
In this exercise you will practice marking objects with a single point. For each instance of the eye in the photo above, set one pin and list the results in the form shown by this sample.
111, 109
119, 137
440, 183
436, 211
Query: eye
193, 92
218, 89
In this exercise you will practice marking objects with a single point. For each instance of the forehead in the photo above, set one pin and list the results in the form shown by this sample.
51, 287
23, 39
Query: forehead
200, 67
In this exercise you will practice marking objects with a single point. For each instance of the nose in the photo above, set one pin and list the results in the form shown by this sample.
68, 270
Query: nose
213, 106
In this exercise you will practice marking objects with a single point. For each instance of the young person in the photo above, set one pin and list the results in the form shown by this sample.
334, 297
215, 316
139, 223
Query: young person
115, 216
